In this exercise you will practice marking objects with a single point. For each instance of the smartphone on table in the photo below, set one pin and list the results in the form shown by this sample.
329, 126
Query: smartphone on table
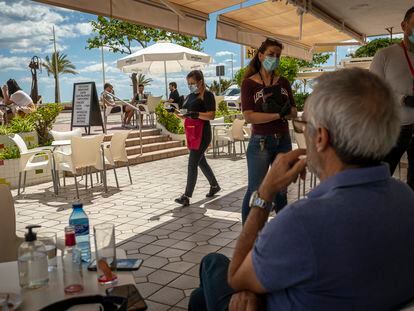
131, 293
121, 264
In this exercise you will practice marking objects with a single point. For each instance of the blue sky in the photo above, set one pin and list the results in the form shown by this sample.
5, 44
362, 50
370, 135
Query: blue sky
26, 30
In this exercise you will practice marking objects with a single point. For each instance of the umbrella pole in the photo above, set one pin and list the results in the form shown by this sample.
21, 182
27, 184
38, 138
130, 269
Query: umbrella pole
165, 77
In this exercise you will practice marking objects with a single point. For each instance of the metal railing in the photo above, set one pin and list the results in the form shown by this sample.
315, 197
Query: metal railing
136, 109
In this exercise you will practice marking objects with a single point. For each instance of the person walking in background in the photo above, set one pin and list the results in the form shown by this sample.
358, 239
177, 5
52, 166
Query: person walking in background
267, 101
200, 107
395, 64
13, 95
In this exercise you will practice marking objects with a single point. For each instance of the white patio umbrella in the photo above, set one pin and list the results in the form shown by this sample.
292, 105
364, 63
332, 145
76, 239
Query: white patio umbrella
163, 57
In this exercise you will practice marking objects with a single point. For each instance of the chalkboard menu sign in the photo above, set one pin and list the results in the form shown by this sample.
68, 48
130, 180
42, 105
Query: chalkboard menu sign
85, 106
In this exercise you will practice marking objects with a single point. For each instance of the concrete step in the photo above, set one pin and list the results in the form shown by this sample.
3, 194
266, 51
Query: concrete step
153, 147
157, 155
147, 140
135, 134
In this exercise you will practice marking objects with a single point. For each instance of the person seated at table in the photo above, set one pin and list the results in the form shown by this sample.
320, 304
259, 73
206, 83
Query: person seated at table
174, 95
345, 246
13, 95
108, 98
139, 98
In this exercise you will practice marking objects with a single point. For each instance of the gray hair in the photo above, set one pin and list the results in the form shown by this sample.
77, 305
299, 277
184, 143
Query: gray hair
360, 112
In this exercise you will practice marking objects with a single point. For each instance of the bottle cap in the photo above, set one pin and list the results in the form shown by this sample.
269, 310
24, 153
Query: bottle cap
77, 205
30, 235
70, 239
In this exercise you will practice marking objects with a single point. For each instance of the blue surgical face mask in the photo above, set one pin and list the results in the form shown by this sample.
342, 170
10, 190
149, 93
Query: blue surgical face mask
270, 63
411, 37
193, 88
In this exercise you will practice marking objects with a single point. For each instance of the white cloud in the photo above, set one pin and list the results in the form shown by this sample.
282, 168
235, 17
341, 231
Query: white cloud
97, 67
224, 53
14, 63
27, 27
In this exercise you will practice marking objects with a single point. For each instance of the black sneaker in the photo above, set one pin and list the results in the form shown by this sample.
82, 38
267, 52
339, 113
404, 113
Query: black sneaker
183, 200
213, 191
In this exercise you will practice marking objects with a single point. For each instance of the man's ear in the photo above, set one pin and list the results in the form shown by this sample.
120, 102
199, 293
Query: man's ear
322, 139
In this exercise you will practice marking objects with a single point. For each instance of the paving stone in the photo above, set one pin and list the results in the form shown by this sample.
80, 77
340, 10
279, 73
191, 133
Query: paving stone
194, 271
193, 256
183, 303
155, 306
171, 252
167, 295
155, 262
151, 249
206, 249
162, 277
179, 266
146, 289
185, 282
185, 245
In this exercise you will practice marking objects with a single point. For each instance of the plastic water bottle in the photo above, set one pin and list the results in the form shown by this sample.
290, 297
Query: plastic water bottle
80, 221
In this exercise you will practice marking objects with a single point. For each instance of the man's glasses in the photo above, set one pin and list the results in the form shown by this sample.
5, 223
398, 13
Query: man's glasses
299, 125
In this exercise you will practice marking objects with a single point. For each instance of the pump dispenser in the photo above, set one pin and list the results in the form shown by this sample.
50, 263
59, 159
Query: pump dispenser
32, 261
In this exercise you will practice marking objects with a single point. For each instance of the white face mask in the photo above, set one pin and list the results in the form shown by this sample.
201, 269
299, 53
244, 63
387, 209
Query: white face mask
193, 88
411, 37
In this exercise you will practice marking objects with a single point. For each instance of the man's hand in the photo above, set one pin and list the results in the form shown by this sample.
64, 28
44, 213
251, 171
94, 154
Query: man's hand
245, 301
285, 169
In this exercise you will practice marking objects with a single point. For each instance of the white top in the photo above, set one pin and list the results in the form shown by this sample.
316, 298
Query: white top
109, 98
391, 65
21, 99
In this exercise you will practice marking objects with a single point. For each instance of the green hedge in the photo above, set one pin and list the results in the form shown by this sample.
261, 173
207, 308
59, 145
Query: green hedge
169, 120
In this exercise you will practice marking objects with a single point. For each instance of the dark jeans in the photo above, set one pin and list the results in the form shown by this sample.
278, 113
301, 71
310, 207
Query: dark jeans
214, 293
405, 143
258, 162
198, 159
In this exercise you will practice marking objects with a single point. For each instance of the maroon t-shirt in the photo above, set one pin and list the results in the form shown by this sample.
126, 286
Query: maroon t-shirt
252, 99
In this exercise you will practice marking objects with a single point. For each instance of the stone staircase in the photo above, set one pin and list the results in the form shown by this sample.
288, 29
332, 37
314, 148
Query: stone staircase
155, 146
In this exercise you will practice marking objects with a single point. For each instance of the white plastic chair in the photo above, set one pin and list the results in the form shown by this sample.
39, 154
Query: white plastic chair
149, 108
85, 153
108, 110
234, 134
30, 159
9, 241
66, 136
116, 152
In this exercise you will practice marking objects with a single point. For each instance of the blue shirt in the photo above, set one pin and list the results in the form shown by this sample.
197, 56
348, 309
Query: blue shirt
348, 246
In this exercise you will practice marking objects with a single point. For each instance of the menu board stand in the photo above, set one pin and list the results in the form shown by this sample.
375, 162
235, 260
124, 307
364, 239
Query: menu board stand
85, 107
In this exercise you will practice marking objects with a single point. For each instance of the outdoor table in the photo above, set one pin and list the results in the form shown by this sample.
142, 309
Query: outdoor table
213, 127
35, 299
61, 143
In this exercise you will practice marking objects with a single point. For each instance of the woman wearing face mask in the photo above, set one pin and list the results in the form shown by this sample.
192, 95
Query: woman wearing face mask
267, 101
201, 107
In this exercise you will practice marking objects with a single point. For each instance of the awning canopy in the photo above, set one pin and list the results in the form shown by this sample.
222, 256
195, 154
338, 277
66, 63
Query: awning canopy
181, 16
306, 26
279, 20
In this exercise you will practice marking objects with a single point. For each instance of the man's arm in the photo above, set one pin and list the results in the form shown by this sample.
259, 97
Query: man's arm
285, 170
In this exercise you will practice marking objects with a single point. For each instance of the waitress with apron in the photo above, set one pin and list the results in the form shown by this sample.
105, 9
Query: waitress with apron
200, 107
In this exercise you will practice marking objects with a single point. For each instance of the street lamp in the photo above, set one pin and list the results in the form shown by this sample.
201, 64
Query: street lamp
232, 62
56, 67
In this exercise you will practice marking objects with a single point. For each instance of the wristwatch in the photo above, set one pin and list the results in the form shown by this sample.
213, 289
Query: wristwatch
257, 201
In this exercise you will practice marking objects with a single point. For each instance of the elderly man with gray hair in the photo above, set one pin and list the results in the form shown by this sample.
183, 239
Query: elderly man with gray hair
348, 245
